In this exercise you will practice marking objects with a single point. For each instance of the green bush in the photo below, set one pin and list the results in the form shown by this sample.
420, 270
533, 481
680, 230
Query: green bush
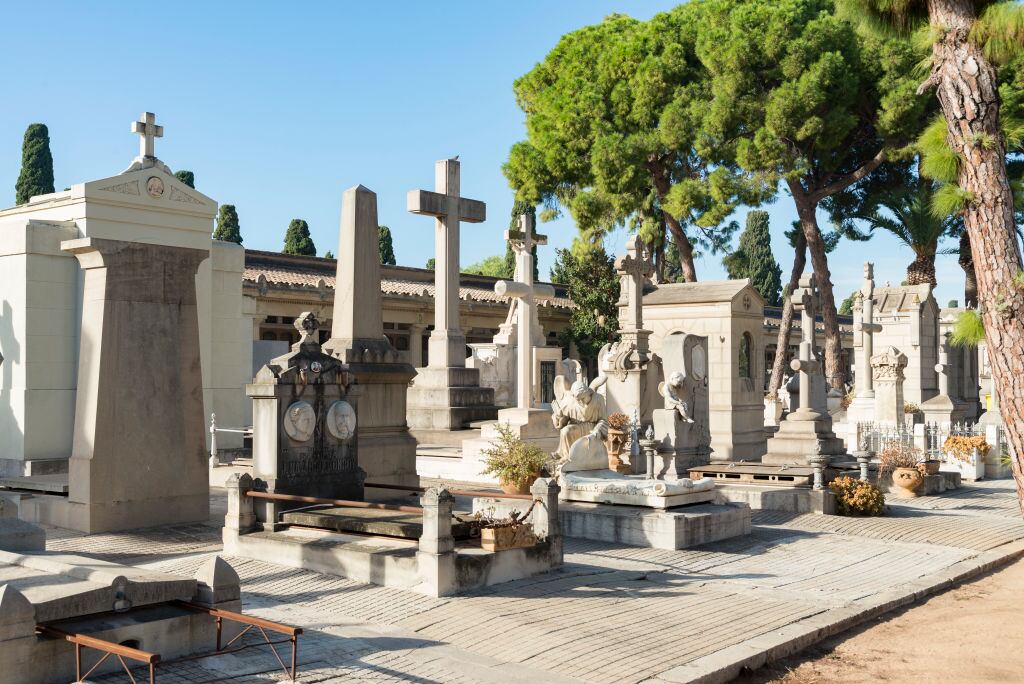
854, 497
512, 460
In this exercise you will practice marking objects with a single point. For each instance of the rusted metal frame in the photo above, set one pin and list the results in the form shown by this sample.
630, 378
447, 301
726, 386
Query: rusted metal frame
333, 502
107, 648
455, 492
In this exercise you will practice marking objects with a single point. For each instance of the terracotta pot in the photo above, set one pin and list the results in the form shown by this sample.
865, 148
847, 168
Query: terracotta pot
615, 443
906, 481
502, 538
523, 488
930, 467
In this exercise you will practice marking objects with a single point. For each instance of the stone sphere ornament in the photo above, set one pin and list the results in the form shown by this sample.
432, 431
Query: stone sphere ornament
300, 421
341, 421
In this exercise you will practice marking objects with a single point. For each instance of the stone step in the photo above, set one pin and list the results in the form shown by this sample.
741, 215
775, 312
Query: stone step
369, 521
49, 484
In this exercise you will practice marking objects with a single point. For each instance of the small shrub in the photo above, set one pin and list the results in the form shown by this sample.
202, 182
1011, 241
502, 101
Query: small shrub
512, 460
898, 456
854, 497
910, 407
961, 447
618, 421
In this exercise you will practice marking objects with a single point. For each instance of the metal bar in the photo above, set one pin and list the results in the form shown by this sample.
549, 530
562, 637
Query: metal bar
454, 492
101, 645
226, 651
220, 625
295, 652
240, 617
334, 502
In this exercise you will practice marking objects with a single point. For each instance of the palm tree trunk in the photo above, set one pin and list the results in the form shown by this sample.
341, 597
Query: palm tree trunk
786, 324
970, 279
967, 89
922, 270
805, 209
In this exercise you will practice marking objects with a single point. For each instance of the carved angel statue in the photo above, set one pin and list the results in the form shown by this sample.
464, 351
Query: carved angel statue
676, 394
577, 410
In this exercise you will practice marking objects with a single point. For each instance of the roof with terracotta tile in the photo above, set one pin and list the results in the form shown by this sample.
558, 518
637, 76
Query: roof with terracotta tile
303, 272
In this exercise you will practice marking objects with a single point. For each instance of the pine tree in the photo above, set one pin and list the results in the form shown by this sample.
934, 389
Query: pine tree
186, 177
754, 259
227, 224
297, 239
36, 177
431, 263
328, 254
518, 209
387, 246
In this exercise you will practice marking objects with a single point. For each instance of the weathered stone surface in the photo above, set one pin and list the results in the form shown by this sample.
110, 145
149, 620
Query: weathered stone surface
369, 521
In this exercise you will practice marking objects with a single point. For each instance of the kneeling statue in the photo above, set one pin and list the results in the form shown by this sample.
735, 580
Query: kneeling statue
576, 411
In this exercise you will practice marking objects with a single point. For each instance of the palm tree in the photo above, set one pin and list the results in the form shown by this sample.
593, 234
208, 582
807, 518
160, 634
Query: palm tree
970, 40
907, 213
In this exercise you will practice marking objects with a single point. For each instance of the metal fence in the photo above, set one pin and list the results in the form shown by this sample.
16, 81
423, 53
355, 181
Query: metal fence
875, 437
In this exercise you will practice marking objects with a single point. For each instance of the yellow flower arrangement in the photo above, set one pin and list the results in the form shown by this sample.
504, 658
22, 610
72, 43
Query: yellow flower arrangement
961, 447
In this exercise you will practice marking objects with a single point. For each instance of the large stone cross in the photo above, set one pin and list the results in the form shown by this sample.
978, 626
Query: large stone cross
864, 332
805, 301
148, 131
634, 268
527, 293
447, 343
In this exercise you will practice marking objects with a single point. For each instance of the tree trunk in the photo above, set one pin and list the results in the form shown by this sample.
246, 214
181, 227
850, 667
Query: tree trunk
786, 324
970, 279
922, 270
659, 176
967, 89
805, 209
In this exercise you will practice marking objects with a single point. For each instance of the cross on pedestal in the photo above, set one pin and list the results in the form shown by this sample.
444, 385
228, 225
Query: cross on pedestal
526, 292
634, 269
805, 301
943, 367
148, 130
447, 344
864, 331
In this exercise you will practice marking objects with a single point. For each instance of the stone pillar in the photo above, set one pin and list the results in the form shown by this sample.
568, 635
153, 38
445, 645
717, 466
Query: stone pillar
241, 515
436, 554
546, 523
139, 456
941, 408
17, 635
416, 331
888, 372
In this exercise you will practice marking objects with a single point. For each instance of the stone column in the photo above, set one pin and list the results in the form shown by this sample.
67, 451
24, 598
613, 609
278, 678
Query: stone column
546, 523
866, 330
416, 331
888, 372
436, 554
17, 635
139, 455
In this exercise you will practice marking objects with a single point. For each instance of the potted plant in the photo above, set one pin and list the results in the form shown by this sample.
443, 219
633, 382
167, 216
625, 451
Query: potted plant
965, 454
618, 428
901, 461
857, 498
515, 463
513, 532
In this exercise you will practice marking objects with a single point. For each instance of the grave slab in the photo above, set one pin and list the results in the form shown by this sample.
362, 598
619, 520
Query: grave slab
369, 521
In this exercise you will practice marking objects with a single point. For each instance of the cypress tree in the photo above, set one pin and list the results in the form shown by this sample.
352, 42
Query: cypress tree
227, 224
519, 208
754, 259
186, 177
386, 246
36, 177
328, 254
297, 239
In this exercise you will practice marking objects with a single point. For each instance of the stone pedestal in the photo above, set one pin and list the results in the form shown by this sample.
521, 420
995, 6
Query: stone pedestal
448, 399
533, 426
139, 456
887, 370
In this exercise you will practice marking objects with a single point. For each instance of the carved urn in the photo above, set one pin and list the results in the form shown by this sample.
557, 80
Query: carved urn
906, 482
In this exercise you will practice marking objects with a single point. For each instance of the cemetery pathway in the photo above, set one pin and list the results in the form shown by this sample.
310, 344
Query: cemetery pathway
613, 614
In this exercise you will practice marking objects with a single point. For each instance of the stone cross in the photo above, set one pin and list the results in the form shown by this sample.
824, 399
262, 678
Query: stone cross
804, 301
942, 367
634, 268
524, 290
864, 331
148, 131
447, 345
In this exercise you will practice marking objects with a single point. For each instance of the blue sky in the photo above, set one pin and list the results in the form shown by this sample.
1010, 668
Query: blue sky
277, 110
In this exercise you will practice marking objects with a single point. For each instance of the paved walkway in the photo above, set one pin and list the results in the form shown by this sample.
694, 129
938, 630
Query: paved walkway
613, 614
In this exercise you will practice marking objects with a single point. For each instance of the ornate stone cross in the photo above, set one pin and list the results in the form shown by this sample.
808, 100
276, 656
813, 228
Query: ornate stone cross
635, 268
805, 301
864, 331
527, 293
447, 344
148, 131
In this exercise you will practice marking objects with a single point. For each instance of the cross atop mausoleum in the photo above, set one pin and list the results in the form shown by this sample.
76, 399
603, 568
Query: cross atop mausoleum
148, 131
447, 343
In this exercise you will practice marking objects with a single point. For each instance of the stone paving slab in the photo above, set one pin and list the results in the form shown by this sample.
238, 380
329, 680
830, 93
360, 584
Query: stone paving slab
612, 614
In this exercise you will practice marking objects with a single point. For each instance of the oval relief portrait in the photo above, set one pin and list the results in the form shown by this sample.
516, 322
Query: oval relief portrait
341, 420
155, 186
300, 421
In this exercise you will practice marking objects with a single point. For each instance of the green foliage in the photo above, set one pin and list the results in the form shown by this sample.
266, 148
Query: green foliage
493, 266
36, 177
519, 208
754, 259
594, 289
969, 329
297, 240
910, 214
856, 498
615, 135
999, 31
949, 199
328, 254
186, 177
227, 228
846, 308
512, 460
386, 246
938, 159
431, 263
